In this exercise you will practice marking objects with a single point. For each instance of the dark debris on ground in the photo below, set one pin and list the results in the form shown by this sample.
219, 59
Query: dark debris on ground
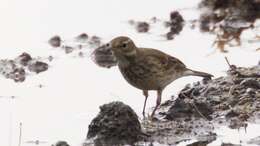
17, 69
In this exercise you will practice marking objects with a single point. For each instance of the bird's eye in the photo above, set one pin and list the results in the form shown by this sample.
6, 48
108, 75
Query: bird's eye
107, 45
124, 45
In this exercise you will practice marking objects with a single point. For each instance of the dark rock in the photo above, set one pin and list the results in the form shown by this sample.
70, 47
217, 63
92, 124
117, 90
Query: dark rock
176, 17
50, 58
142, 27
24, 58
68, 49
17, 69
170, 35
55, 41
104, 57
82, 37
176, 24
115, 124
81, 54
38, 67
61, 143
154, 19
18, 75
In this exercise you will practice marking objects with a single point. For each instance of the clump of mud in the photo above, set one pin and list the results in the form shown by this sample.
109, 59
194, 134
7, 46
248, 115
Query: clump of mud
175, 24
228, 19
103, 56
233, 101
82, 37
142, 27
61, 143
17, 69
115, 124
55, 41
78, 44
235, 97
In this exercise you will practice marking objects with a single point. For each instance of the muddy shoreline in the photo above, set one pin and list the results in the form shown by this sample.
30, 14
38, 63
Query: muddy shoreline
199, 108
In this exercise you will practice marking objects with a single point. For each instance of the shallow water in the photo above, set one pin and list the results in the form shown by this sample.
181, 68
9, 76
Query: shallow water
74, 88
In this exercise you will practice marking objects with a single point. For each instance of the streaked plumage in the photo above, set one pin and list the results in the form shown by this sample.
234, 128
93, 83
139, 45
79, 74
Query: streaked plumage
148, 69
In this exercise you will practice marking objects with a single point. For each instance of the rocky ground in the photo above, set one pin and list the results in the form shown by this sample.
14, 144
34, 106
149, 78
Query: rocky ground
232, 100
24, 64
18, 68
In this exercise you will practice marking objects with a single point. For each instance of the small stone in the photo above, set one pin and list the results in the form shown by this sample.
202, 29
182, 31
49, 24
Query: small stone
176, 22
103, 56
24, 58
55, 41
61, 143
142, 27
154, 19
18, 75
68, 49
38, 67
50, 58
176, 16
170, 35
81, 54
82, 37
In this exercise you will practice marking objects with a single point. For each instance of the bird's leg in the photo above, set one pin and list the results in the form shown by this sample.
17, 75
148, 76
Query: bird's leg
158, 101
145, 92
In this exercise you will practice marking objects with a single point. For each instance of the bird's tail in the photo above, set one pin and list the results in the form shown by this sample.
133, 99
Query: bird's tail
190, 72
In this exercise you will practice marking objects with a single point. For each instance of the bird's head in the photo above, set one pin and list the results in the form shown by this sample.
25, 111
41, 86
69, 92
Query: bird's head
123, 47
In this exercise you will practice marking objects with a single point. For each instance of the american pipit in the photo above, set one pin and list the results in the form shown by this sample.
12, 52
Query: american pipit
148, 69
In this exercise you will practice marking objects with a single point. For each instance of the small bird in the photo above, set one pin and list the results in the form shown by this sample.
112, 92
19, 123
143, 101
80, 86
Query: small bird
148, 69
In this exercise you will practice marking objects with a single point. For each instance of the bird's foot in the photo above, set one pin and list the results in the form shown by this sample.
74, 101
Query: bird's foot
152, 118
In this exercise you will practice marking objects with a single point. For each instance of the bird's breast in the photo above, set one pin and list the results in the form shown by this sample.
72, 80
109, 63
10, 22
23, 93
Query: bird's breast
143, 76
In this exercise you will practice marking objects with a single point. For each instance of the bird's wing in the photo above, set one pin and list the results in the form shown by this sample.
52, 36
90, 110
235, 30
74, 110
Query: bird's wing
164, 60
